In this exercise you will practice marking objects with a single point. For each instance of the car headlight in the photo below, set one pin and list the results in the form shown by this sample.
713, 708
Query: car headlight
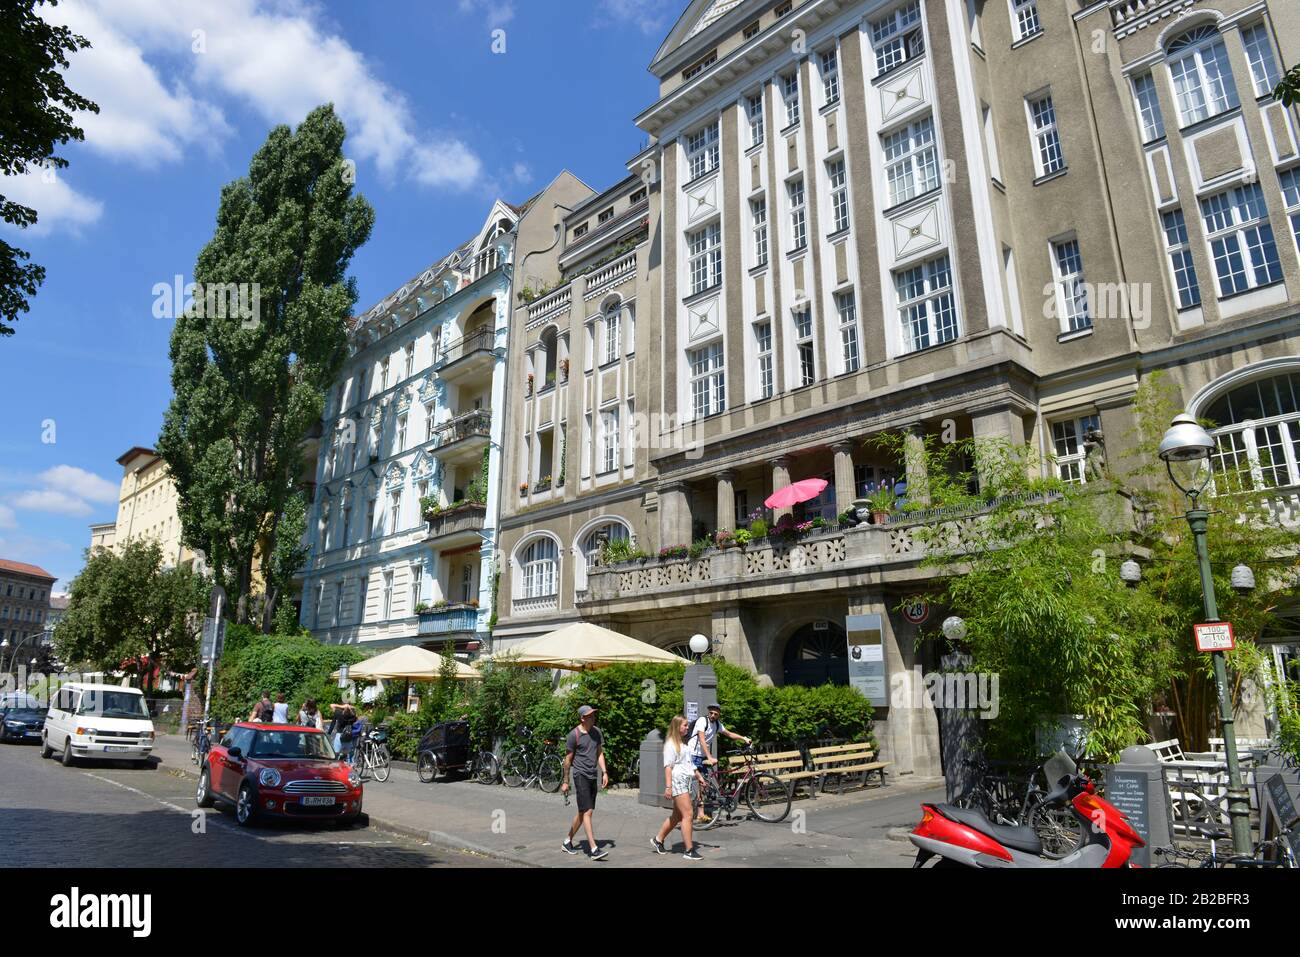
87, 731
269, 778
13, 724
354, 780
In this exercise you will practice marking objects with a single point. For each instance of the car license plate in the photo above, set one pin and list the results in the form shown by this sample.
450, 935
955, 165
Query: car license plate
317, 801
116, 747
31, 734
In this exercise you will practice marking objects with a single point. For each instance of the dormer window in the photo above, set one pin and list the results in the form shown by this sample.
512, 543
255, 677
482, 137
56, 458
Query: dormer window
700, 65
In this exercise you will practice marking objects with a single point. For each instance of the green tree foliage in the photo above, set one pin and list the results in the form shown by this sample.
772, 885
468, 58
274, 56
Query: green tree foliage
37, 115
297, 665
127, 612
1288, 89
248, 390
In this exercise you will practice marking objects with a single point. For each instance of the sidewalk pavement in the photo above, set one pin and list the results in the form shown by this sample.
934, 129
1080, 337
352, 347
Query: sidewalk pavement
526, 826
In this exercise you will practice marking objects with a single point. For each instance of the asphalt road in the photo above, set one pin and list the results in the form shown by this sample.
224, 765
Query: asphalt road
113, 815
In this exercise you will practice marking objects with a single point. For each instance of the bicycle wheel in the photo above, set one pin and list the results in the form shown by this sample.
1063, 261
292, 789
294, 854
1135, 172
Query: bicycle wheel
489, 769
1059, 830
549, 772
634, 771
514, 768
383, 763
767, 797
709, 804
426, 767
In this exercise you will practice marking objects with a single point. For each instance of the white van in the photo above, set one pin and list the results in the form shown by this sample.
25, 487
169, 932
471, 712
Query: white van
98, 723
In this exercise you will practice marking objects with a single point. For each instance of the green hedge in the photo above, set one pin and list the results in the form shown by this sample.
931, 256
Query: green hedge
298, 666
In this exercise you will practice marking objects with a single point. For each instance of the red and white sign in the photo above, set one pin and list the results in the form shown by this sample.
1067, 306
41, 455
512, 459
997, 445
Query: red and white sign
916, 610
1215, 637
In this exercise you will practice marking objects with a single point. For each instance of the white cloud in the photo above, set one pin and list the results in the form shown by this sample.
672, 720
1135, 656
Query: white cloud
52, 500
277, 56
58, 206
648, 16
497, 12
79, 482
7, 517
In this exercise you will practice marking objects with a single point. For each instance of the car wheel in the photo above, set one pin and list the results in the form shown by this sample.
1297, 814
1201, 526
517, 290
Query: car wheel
67, 759
245, 805
203, 793
46, 751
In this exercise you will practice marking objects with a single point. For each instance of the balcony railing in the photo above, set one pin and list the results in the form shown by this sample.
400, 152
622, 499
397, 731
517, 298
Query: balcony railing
1129, 15
449, 620
453, 521
476, 424
484, 263
611, 275
478, 341
549, 305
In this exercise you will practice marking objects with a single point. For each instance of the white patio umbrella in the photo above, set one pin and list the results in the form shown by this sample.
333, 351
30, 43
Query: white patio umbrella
582, 646
408, 661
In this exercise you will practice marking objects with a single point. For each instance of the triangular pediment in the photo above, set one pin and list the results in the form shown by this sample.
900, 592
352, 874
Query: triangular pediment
698, 17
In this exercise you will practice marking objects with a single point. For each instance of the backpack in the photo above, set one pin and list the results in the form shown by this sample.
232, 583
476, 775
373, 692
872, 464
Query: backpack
266, 713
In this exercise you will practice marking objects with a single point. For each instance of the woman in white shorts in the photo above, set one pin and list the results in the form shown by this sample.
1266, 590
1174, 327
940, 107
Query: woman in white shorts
679, 772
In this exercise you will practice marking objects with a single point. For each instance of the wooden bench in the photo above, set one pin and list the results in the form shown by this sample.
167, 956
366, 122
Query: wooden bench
843, 759
788, 766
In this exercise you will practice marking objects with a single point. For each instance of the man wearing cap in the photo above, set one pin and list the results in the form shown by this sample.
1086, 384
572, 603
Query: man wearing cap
584, 760
706, 730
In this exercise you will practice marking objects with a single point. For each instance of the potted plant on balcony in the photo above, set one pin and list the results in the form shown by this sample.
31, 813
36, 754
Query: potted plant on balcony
430, 507
881, 501
421, 607
742, 537
523, 489
564, 370
550, 379
543, 484
529, 388
724, 538
669, 552
440, 604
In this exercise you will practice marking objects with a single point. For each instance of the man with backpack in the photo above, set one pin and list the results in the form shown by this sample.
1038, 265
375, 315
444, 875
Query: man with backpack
263, 711
703, 735
584, 759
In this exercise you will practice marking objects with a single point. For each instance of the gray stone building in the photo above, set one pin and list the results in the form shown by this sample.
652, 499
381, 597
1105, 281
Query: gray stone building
987, 218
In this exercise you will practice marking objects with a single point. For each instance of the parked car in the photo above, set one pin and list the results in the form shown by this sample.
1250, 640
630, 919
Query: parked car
21, 723
98, 723
279, 771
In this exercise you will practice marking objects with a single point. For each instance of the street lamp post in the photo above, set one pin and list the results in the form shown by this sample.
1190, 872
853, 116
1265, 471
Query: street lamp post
1187, 447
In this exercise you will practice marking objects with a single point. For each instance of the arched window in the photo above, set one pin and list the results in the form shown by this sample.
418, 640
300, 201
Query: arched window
539, 568
1257, 433
1203, 84
589, 549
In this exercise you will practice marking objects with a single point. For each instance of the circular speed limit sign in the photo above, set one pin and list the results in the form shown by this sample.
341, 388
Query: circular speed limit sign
916, 610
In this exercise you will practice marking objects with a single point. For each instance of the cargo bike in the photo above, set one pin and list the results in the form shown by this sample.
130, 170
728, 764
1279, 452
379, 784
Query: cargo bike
445, 748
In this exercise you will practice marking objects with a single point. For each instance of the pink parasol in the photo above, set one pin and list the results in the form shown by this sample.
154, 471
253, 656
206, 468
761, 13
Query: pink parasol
797, 492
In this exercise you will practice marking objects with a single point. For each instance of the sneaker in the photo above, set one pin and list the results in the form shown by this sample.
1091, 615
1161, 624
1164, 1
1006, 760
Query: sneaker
568, 848
599, 854
658, 846
693, 855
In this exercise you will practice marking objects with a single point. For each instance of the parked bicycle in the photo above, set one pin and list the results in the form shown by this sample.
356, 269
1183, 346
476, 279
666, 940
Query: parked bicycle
998, 797
1275, 852
523, 765
765, 795
371, 756
201, 736
445, 747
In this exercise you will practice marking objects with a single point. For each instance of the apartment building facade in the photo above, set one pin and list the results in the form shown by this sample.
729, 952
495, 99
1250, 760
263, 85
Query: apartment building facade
147, 509
402, 535
975, 219
25, 608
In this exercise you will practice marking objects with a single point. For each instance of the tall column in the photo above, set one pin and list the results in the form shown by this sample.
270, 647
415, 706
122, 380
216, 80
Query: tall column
780, 479
918, 477
726, 500
845, 490
674, 514
992, 427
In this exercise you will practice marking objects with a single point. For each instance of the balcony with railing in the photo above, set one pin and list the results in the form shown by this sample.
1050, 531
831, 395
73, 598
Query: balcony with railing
551, 306
1129, 16
484, 263
458, 623
456, 526
463, 438
608, 276
468, 357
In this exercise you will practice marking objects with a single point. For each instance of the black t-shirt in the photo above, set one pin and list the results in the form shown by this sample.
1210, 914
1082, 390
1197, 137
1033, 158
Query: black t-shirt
585, 749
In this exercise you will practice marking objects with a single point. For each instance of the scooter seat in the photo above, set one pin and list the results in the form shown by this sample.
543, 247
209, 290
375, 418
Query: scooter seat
1015, 836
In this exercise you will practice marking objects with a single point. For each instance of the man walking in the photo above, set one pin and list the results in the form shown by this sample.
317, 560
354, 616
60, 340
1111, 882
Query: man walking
584, 759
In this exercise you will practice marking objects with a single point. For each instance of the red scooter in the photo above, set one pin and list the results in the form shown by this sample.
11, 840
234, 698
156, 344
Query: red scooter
964, 837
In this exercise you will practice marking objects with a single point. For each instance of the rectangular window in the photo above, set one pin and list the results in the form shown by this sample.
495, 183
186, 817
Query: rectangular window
782, 10
1072, 294
838, 179
830, 64
364, 586
417, 580
926, 310
803, 334
609, 435
754, 109
707, 380
847, 307
1048, 157
758, 210
898, 37
338, 602
790, 96
911, 163
410, 360
991, 142
428, 422
370, 516
751, 31
1241, 239
700, 65
346, 522
704, 257
702, 151
401, 435
1148, 108
1290, 180
1024, 19
798, 214
612, 337
1203, 84
1180, 259
388, 595
637, 197
1067, 442
1259, 51
384, 369
580, 231
763, 346
394, 512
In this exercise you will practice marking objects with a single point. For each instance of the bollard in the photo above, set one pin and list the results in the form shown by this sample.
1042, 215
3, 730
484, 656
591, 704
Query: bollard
651, 784
1136, 786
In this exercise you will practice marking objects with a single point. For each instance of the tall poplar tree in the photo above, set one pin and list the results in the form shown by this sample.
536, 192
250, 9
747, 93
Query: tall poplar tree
248, 388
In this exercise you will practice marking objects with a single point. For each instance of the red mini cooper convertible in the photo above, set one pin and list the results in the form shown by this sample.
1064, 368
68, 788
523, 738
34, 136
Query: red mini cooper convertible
278, 770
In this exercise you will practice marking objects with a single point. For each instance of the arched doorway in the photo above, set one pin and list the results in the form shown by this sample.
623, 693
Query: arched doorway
817, 654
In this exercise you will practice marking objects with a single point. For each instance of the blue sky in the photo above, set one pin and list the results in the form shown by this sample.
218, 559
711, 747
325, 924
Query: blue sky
438, 124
